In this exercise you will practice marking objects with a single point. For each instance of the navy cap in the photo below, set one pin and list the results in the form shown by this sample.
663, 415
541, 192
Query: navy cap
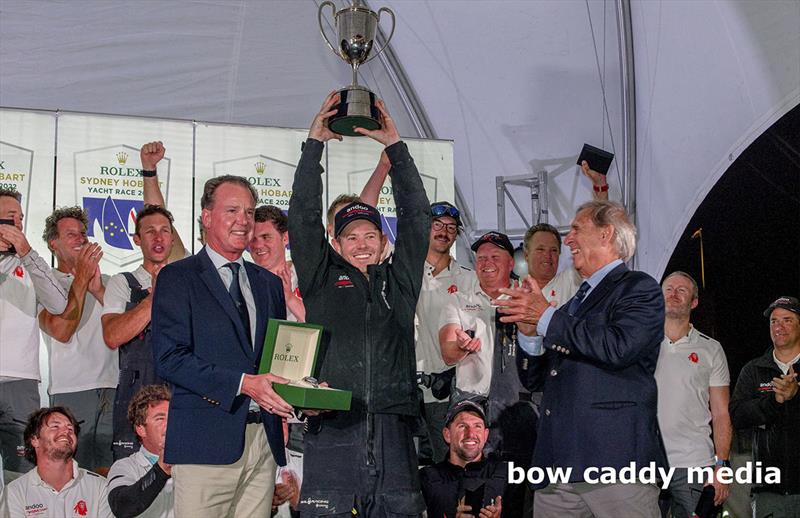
354, 211
496, 238
465, 406
790, 303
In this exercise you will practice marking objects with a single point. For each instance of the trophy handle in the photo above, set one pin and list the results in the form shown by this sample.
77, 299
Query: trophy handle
394, 23
322, 30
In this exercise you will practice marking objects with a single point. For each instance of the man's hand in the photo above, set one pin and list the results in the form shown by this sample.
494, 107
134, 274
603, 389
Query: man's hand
598, 180
493, 511
288, 490
259, 388
721, 490
489, 511
785, 386
387, 135
467, 343
150, 154
95, 286
524, 307
12, 236
319, 126
86, 266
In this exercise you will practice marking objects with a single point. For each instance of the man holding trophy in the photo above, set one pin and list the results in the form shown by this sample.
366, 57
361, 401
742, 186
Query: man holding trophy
361, 462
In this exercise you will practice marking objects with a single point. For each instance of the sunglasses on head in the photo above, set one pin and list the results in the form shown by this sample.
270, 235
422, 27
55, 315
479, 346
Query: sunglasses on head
445, 210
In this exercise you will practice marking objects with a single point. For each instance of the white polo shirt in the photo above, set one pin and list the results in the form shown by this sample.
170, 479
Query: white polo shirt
118, 293
563, 286
24, 285
472, 310
85, 496
128, 471
437, 292
685, 371
83, 363
295, 289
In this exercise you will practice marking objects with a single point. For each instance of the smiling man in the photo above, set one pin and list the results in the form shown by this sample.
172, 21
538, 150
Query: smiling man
445, 484
210, 313
362, 460
484, 351
57, 485
268, 249
600, 396
765, 403
27, 283
83, 371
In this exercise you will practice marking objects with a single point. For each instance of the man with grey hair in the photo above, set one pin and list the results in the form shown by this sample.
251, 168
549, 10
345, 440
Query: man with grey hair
693, 392
601, 348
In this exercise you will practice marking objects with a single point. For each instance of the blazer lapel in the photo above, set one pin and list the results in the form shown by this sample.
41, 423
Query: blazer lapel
600, 291
213, 282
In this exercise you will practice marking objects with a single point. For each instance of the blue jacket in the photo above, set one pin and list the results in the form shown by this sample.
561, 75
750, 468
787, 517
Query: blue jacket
599, 404
201, 347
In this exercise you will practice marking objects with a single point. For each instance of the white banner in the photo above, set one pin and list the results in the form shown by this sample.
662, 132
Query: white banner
99, 169
27, 144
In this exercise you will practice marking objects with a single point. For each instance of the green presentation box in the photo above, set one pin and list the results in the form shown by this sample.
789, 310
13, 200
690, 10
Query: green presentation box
290, 351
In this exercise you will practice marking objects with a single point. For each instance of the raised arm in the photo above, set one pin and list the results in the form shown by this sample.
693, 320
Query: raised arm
372, 189
150, 155
413, 207
310, 247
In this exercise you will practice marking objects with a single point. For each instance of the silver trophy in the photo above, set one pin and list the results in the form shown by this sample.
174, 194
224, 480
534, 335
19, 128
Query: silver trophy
356, 26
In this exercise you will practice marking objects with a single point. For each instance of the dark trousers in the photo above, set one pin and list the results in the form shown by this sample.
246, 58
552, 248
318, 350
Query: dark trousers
18, 400
359, 464
131, 379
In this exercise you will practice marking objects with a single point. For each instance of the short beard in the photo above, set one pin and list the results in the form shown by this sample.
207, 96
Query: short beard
60, 454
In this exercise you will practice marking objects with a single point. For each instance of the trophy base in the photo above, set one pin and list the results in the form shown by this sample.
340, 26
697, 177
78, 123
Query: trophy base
356, 110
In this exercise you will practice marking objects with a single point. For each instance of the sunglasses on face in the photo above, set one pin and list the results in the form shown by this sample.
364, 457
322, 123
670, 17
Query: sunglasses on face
445, 210
437, 225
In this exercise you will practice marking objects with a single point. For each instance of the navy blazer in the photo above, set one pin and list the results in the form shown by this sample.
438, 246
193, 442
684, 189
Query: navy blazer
201, 347
599, 403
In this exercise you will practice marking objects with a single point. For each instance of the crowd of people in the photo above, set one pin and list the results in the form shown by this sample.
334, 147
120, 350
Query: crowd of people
157, 406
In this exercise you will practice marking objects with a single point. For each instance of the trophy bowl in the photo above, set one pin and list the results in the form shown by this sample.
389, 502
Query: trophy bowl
356, 27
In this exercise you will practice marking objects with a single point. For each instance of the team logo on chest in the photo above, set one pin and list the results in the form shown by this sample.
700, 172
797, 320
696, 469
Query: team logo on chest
694, 358
80, 508
452, 289
344, 281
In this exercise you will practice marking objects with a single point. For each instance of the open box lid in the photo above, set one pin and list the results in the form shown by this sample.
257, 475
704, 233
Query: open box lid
290, 349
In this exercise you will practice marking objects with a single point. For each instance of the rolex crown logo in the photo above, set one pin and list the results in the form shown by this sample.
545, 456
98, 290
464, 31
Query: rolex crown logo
122, 157
260, 167
288, 347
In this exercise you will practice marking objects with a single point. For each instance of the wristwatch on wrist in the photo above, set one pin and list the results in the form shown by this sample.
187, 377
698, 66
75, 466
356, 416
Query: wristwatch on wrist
723, 463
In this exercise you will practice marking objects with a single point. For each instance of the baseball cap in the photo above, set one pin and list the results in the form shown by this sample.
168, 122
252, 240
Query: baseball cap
444, 208
790, 303
465, 406
352, 212
496, 238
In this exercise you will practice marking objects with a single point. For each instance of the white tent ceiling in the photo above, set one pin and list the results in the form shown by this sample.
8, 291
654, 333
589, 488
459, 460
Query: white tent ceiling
517, 85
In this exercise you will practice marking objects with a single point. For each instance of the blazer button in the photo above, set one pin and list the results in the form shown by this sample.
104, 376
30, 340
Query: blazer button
553, 372
546, 411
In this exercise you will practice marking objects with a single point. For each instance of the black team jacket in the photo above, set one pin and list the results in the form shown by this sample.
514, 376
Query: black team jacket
368, 343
